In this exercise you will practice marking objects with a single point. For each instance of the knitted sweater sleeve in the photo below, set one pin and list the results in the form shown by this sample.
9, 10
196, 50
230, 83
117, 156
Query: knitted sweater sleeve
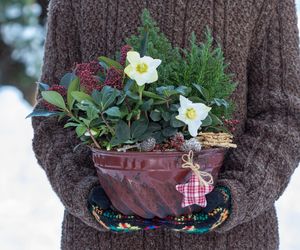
71, 174
269, 150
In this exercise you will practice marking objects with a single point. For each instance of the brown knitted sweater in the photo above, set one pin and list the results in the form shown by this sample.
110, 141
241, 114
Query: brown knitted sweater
260, 41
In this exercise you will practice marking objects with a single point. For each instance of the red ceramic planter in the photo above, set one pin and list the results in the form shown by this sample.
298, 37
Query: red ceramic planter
143, 183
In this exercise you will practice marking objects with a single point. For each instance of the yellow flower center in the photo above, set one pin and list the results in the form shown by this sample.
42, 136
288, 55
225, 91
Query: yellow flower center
191, 113
142, 68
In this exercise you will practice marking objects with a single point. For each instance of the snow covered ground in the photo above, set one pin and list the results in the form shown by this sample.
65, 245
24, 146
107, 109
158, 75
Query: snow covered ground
30, 213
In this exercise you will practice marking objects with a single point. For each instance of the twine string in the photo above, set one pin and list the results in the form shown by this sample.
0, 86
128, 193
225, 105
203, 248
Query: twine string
205, 178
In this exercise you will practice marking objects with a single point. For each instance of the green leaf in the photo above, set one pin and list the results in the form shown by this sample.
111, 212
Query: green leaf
168, 132
197, 99
113, 111
175, 123
81, 96
54, 98
42, 113
153, 95
220, 102
97, 97
109, 95
183, 90
160, 102
132, 95
96, 122
202, 91
124, 111
128, 85
174, 107
104, 66
80, 130
43, 86
215, 120
71, 124
154, 126
207, 121
111, 63
166, 116
121, 98
67, 79
138, 128
147, 105
74, 86
87, 122
115, 142
158, 136
122, 131
129, 116
155, 115
165, 90
92, 112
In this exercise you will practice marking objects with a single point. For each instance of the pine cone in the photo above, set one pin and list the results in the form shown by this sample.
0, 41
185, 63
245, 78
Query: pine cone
191, 144
148, 145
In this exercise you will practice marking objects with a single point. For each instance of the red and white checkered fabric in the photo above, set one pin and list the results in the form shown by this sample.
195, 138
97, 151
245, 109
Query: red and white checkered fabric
193, 192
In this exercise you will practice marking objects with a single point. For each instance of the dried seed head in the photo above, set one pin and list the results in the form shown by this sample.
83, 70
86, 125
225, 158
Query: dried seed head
192, 144
148, 144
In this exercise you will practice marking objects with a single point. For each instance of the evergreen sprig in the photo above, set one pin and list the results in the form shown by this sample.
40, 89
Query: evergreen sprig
158, 46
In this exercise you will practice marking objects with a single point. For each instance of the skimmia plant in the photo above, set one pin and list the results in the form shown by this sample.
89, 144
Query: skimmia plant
151, 90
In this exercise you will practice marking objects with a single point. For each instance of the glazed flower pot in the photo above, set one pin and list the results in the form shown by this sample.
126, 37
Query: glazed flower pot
143, 183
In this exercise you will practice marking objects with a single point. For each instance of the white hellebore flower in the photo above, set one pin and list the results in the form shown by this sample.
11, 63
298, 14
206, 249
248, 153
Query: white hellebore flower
192, 114
142, 69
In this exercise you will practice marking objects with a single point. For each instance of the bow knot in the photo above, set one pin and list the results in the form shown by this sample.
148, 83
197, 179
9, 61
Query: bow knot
205, 178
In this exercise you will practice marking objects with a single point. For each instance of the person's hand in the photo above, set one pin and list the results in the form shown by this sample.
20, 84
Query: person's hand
101, 208
213, 215
216, 212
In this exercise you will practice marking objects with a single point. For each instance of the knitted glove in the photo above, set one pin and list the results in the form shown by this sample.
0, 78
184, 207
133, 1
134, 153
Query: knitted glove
202, 222
213, 215
101, 208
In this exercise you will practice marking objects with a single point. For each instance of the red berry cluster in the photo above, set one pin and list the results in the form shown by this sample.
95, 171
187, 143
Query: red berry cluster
231, 124
177, 141
89, 82
162, 147
61, 90
86, 72
114, 78
94, 67
124, 51
174, 143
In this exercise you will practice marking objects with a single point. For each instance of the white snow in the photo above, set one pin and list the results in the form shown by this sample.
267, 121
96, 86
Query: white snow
30, 213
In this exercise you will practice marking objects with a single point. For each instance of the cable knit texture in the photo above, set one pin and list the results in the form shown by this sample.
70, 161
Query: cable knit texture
260, 41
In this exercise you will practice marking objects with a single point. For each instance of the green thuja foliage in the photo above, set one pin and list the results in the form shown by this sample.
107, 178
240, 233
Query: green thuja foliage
158, 46
205, 65
200, 63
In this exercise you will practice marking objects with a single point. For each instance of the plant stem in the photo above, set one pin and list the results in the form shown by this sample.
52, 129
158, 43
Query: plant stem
89, 131
140, 90
93, 138
106, 123
168, 105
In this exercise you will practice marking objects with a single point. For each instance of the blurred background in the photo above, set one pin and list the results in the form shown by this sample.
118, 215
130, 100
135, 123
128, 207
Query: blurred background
30, 213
